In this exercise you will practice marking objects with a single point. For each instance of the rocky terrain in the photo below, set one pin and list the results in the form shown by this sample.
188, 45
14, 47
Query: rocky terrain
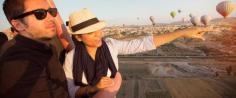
185, 68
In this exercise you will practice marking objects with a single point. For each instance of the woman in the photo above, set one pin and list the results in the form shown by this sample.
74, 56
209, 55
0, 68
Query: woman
92, 67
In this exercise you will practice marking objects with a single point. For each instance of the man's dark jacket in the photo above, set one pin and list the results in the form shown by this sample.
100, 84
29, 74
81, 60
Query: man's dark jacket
30, 69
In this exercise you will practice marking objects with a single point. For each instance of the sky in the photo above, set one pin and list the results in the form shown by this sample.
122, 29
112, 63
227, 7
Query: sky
119, 12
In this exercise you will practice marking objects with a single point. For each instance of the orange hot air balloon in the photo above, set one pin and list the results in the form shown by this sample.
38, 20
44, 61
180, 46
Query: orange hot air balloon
62, 32
225, 8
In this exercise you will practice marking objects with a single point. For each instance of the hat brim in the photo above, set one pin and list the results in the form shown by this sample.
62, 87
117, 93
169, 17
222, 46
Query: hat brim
98, 26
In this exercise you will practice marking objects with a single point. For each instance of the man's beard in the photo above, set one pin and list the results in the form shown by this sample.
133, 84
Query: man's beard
46, 39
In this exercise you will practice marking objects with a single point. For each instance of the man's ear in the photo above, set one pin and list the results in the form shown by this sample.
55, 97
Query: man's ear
18, 25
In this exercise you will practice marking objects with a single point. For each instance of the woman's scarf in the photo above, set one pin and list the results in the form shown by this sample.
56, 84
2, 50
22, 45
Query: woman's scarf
93, 70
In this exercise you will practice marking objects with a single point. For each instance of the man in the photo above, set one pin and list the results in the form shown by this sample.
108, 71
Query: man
29, 65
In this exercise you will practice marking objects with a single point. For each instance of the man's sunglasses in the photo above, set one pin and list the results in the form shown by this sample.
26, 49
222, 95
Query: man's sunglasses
40, 14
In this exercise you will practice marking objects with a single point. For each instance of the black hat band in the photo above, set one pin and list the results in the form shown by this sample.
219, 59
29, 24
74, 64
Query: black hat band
84, 24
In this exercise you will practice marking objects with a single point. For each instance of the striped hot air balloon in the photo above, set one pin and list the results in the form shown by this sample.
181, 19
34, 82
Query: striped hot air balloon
225, 8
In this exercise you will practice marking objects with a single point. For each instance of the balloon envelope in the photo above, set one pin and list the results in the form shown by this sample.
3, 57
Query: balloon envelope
195, 20
137, 18
152, 19
225, 8
179, 11
173, 14
205, 19
191, 15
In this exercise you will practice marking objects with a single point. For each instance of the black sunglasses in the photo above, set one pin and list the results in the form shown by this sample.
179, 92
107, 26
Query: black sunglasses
40, 14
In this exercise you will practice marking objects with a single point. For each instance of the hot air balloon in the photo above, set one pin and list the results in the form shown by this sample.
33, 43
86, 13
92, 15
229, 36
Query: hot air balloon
173, 14
205, 19
152, 19
195, 20
179, 11
225, 8
137, 18
190, 15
